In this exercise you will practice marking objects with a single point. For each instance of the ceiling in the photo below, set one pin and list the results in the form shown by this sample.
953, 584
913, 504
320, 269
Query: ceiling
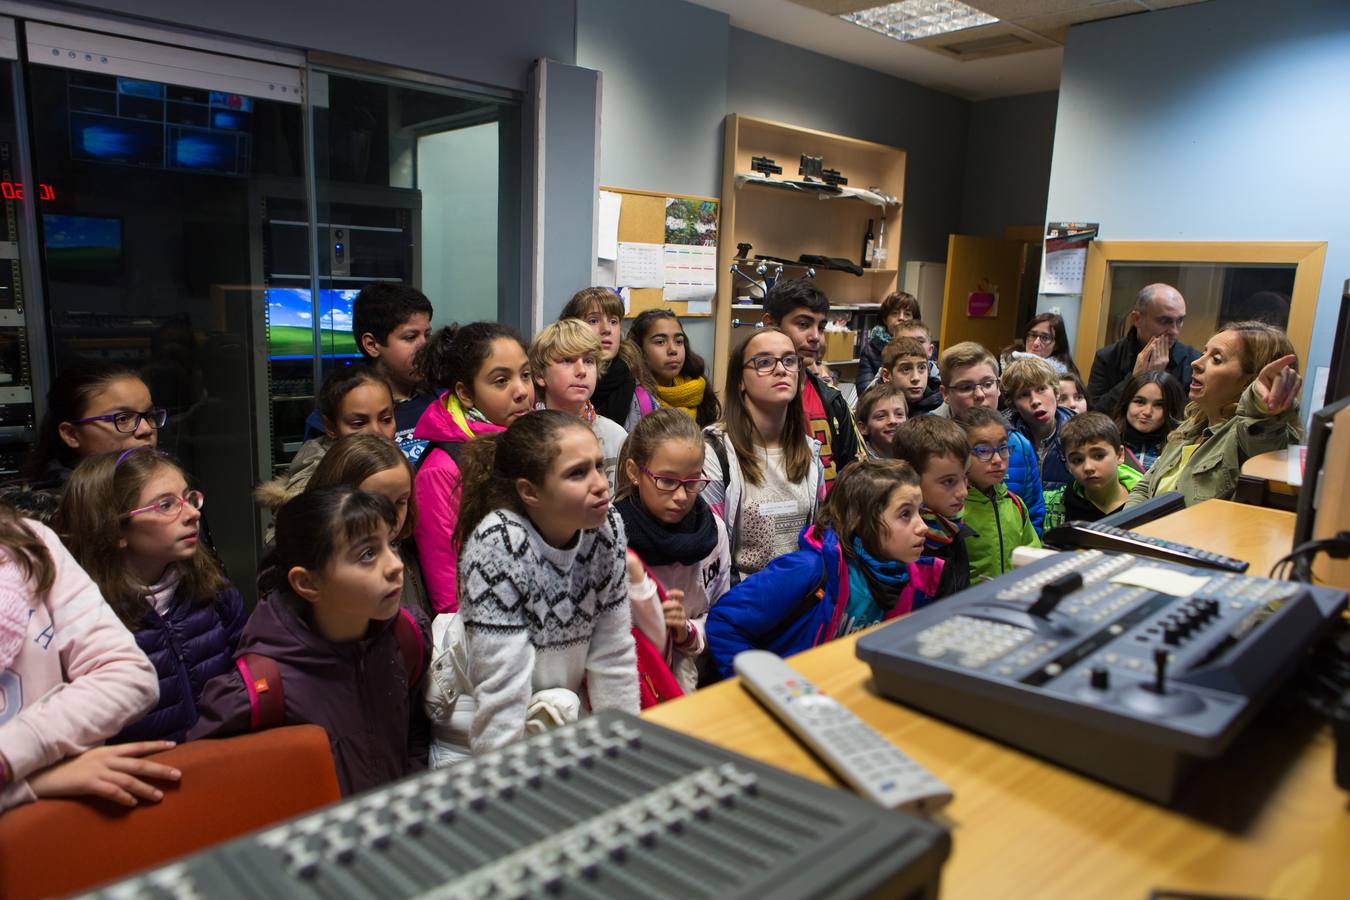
1020, 54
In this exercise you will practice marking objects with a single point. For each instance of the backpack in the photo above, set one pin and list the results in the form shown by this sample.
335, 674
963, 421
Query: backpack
646, 402
656, 683
262, 675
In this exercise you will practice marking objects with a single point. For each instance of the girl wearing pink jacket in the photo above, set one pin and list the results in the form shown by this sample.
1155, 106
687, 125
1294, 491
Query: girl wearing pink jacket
71, 676
486, 369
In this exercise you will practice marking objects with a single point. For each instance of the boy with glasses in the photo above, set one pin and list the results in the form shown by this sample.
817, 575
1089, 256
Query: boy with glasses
998, 519
970, 379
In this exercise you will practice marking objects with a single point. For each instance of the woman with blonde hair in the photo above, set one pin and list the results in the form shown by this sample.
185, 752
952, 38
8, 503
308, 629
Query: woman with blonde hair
1243, 402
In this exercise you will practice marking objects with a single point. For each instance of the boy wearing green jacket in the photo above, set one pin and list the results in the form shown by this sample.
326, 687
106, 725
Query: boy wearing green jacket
1094, 453
998, 519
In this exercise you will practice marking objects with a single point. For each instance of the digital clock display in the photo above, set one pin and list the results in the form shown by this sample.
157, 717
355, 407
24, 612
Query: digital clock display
14, 190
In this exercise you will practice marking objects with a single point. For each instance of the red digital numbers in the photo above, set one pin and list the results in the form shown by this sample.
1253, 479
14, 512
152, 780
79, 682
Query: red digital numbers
13, 190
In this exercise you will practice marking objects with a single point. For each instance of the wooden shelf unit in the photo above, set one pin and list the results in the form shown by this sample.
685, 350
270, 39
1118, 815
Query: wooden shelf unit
788, 223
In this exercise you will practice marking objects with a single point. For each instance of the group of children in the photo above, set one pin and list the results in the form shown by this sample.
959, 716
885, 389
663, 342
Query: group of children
578, 523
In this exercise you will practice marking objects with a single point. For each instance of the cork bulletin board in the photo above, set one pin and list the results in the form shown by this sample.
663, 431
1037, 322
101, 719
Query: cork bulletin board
685, 227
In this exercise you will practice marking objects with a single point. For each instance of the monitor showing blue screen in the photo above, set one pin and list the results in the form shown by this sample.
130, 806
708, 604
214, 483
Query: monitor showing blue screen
82, 243
290, 318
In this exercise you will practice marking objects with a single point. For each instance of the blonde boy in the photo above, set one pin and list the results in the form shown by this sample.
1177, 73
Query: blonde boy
565, 359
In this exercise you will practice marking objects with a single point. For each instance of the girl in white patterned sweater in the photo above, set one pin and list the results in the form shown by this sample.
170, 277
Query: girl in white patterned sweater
542, 585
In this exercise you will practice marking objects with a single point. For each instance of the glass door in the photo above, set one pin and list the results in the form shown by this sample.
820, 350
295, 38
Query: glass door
167, 174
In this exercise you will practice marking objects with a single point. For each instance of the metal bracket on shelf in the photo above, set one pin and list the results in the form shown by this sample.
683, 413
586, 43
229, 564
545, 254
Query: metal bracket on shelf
769, 272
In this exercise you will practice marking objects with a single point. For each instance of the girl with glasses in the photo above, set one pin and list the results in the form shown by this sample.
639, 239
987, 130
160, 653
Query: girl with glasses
998, 517
680, 544
91, 409
765, 471
132, 521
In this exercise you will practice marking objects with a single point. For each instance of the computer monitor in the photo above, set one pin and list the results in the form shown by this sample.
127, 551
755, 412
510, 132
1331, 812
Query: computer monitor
1338, 378
290, 316
1323, 507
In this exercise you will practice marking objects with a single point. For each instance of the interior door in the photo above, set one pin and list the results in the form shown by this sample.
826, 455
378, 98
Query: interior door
980, 301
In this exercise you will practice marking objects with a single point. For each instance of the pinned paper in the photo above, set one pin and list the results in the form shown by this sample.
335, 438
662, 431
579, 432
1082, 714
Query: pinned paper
1163, 581
690, 273
608, 228
641, 265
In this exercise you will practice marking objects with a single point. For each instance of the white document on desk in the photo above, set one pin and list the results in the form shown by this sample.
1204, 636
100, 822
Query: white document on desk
1162, 581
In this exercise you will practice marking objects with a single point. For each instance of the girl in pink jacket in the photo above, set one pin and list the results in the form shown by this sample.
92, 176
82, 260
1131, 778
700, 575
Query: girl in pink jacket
486, 369
71, 676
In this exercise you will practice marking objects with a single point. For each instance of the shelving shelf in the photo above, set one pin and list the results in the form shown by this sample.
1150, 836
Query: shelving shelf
777, 223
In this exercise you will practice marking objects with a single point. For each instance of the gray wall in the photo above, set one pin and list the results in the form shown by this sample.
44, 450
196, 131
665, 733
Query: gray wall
1223, 121
490, 43
1007, 171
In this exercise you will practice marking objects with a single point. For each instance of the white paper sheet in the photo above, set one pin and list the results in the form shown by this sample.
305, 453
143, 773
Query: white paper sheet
606, 273
641, 265
608, 227
690, 273
699, 307
1164, 581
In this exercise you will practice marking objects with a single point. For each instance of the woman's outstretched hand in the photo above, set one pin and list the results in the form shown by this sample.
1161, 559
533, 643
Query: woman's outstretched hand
1278, 384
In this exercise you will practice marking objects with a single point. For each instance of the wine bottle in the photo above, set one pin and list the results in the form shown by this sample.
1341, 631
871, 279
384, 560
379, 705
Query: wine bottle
867, 247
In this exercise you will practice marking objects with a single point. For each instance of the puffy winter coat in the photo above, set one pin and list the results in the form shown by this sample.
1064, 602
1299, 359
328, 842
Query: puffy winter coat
189, 644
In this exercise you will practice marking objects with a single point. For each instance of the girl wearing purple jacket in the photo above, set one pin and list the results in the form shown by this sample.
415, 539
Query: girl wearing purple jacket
133, 523
332, 626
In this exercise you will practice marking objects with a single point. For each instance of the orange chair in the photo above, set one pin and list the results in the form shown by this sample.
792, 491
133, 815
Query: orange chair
229, 787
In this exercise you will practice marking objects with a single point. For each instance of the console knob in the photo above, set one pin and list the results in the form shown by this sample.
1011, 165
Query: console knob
1100, 678
1172, 636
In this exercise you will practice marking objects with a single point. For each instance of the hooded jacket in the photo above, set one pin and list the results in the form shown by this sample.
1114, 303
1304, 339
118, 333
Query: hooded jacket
1053, 467
274, 493
357, 691
189, 644
1000, 523
773, 610
436, 488
845, 442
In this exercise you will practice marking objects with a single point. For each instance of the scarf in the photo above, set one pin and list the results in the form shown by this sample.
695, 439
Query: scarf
685, 394
614, 391
888, 572
1136, 438
874, 589
879, 333
686, 543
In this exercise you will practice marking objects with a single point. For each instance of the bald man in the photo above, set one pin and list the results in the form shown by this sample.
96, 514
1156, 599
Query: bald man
1151, 345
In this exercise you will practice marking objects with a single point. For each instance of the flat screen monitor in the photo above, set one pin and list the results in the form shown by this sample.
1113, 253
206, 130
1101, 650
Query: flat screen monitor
1338, 378
290, 320
1309, 495
90, 244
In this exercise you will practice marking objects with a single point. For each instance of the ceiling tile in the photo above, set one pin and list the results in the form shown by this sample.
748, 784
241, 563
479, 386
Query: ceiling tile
1061, 20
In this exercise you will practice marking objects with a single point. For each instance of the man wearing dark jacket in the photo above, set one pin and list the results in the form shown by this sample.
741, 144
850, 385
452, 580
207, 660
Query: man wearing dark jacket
801, 309
1151, 344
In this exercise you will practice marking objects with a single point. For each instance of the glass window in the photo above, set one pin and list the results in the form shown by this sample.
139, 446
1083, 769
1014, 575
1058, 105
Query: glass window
1216, 294
163, 236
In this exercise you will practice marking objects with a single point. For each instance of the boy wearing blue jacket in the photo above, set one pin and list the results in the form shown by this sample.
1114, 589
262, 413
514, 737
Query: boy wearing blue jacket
1030, 387
862, 563
970, 378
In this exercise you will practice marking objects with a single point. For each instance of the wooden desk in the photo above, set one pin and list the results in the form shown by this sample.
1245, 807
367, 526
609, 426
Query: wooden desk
1267, 821
1264, 481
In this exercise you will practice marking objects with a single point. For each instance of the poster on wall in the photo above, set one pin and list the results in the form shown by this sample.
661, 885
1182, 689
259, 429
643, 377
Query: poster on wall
982, 303
691, 222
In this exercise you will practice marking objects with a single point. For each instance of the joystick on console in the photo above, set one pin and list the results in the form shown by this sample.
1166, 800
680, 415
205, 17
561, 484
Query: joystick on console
1055, 591
1159, 672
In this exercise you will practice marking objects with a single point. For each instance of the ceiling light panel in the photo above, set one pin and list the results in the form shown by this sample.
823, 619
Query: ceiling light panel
914, 19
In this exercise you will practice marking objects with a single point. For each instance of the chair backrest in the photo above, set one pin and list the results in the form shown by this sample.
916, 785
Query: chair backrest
229, 787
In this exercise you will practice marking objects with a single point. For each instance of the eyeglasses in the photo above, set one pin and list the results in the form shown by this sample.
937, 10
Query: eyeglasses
127, 422
170, 505
984, 453
1040, 337
764, 364
670, 484
966, 388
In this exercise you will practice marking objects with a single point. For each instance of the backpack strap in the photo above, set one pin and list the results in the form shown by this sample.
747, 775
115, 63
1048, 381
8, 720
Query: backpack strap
266, 698
411, 646
720, 451
645, 401
1020, 504
452, 449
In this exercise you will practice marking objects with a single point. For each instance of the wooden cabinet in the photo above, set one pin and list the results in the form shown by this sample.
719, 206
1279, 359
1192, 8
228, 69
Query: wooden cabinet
781, 221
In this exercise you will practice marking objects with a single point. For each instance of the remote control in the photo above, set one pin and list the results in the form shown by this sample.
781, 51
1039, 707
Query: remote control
1096, 536
854, 750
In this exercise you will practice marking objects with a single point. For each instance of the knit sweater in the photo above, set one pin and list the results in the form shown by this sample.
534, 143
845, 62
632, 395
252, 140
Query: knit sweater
78, 678
538, 616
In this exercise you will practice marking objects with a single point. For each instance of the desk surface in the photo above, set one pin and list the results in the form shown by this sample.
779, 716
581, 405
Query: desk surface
1273, 468
1266, 822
